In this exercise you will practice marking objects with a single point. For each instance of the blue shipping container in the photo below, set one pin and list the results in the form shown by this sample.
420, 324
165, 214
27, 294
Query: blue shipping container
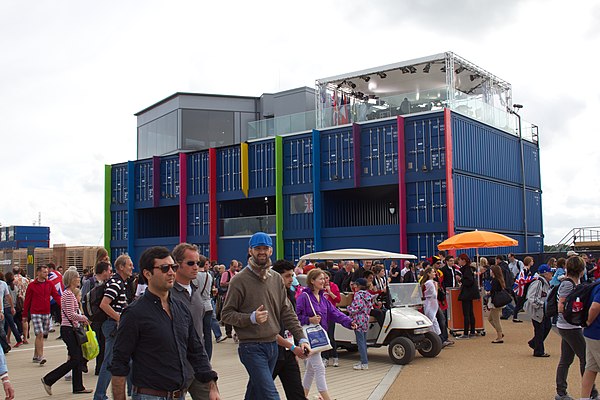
297, 160
425, 144
144, 190
119, 223
197, 220
296, 248
228, 169
169, 177
337, 155
261, 164
119, 184
379, 149
198, 173
426, 204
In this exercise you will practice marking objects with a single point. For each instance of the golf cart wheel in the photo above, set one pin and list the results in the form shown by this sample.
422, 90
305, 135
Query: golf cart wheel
431, 345
401, 350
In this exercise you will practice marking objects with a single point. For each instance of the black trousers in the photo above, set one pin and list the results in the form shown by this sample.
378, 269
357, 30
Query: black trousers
97, 327
441, 319
468, 317
73, 364
289, 374
519, 302
540, 332
571, 345
55, 311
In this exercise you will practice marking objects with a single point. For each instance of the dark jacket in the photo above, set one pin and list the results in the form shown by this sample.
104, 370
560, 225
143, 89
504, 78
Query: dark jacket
448, 276
468, 289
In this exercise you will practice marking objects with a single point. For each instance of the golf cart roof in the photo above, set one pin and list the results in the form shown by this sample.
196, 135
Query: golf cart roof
357, 254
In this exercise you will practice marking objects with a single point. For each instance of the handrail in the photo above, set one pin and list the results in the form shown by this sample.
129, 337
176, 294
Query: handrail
581, 234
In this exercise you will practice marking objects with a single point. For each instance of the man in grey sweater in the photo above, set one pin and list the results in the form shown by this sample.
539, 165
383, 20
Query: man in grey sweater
257, 306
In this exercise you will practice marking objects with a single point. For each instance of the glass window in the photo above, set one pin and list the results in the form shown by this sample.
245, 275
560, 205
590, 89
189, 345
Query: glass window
158, 137
202, 129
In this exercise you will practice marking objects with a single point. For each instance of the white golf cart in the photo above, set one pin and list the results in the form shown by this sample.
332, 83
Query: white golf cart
405, 330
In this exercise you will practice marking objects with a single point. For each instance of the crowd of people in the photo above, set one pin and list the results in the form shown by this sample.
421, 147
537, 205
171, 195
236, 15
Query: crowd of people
181, 299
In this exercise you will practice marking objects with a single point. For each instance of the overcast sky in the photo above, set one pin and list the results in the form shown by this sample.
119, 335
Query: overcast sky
73, 73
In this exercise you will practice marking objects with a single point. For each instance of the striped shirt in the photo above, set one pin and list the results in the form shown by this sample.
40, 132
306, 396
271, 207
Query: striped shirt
70, 310
116, 291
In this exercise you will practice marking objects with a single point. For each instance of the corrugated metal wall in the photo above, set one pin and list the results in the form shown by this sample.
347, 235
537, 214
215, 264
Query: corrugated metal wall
426, 202
379, 149
144, 190
337, 155
228, 169
297, 160
198, 173
169, 177
197, 219
119, 225
261, 164
296, 248
425, 144
298, 216
119, 184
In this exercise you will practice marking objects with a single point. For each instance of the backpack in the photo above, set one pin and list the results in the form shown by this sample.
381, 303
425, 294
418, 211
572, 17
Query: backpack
91, 304
526, 287
577, 304
552, 300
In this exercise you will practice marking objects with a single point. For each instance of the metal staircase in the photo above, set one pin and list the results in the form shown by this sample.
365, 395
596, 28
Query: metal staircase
586, 238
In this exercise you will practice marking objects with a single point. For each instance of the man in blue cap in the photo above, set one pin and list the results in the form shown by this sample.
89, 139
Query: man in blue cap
257, 306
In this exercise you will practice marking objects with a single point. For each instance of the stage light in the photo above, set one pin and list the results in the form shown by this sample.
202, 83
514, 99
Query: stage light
459, 70
426, 68
352, 85
412, 69
382, 75
365, 78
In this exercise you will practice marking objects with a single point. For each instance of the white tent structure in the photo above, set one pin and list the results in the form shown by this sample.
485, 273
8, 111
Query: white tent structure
357, 254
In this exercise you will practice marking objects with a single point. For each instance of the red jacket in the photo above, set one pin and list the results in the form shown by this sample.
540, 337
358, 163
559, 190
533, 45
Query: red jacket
37, 297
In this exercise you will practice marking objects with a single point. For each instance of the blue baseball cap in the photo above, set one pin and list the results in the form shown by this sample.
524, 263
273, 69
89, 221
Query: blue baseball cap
543, 269
260, 239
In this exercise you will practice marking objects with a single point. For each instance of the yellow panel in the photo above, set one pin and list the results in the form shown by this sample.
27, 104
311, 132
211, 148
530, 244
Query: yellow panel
244, 166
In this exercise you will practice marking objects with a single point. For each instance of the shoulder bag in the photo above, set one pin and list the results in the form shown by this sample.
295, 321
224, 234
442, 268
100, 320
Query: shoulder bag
316, 335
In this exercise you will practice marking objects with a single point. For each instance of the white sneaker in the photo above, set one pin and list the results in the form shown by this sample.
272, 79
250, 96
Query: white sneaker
336, 362
69, 376
360, 366
326, 362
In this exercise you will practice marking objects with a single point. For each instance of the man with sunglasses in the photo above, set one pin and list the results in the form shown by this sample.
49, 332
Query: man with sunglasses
157, 332
113, 303
257, 306
186, 289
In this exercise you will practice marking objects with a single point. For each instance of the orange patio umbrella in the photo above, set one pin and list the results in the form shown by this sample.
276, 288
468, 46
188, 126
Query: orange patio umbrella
477, 239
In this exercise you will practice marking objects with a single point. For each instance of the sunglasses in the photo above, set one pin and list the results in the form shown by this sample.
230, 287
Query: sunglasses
165, 267
191, 263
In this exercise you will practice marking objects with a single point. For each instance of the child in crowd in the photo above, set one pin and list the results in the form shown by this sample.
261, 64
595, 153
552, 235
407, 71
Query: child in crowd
430, 291
359, 311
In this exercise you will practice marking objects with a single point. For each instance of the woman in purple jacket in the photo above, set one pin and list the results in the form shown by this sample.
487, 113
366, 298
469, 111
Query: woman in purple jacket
324, 312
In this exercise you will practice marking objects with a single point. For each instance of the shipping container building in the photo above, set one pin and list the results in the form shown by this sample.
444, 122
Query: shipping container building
394, 180
399, 184
22, 237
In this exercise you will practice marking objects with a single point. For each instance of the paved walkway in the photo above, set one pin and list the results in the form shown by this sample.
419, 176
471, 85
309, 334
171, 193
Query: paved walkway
344, 382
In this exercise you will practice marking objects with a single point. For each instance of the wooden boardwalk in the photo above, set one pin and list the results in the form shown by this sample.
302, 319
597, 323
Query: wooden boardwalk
344, 382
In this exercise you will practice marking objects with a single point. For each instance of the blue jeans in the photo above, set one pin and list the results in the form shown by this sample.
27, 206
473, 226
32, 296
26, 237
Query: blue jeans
207, 326
109, 329
137, 396
259, 360
214, 323
361, 342
9, 323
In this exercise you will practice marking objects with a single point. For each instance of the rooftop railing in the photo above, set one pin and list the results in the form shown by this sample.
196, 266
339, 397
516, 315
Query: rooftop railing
385, 107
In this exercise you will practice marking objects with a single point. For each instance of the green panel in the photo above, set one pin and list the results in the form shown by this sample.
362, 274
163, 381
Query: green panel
107, 198
280, 251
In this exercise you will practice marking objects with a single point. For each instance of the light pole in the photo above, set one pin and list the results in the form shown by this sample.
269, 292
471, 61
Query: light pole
515, 112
